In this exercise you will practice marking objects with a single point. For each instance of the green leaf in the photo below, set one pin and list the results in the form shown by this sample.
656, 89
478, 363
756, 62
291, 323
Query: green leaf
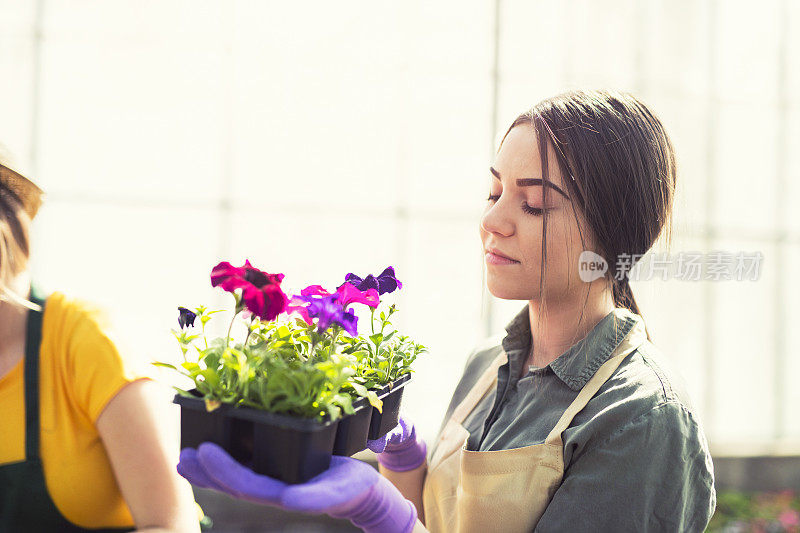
191, 367
183, 393
165, 365
376, 402
211, 359
360, 389
210, 377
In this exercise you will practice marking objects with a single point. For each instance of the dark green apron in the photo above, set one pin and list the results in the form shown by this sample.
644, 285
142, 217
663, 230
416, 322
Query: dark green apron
25, 504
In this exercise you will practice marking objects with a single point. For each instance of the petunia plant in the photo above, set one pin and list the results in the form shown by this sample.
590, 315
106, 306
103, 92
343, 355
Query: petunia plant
384, 355
300, 355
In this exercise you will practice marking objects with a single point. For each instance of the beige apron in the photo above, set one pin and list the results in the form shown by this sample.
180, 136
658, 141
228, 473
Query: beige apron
506, 490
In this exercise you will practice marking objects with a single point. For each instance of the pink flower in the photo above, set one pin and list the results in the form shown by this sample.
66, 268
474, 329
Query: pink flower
261, 292
789, 519
314, 290
344, 296
349, 294
298, 305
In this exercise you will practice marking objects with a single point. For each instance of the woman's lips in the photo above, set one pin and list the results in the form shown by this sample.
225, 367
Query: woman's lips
495, 259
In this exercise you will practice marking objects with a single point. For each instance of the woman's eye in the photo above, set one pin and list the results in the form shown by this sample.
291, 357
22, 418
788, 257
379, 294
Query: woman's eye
493, 197
535, 211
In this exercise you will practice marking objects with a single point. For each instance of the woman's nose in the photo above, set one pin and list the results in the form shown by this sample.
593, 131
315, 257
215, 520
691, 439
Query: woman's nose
495, 220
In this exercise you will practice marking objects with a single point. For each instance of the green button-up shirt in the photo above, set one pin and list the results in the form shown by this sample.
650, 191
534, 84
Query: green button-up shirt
635, 458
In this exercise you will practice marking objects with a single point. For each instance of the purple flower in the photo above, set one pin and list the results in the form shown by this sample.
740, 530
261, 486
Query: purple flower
326, 309
384, 283
186, 317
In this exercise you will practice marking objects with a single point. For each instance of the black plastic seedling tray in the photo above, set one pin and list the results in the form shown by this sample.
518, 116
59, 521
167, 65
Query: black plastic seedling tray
284, 447
287, 448
353, 430
385, 421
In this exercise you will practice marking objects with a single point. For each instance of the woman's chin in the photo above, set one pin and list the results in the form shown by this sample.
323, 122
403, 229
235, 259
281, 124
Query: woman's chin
499, 290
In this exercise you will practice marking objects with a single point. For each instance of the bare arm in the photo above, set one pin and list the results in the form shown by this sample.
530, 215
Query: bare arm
419, 527
410, 485
139, 429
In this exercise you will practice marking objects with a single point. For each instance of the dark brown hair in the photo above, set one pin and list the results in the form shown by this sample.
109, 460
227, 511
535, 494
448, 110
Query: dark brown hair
618, 166
15, 222
14, 236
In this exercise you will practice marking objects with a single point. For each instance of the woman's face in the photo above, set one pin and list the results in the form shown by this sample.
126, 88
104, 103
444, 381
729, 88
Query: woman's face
512, 223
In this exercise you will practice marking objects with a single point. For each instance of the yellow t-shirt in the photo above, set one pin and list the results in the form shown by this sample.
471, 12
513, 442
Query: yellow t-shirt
81, 370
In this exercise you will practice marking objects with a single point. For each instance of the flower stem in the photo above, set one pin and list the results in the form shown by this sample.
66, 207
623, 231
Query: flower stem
311, 351
228, 336
203, 332
333, 340
249, 331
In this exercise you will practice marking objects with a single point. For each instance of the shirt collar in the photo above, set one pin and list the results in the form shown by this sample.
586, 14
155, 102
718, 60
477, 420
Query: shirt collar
579, 363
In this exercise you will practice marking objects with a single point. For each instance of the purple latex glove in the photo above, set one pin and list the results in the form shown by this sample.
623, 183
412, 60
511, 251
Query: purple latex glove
400, 449
348, 489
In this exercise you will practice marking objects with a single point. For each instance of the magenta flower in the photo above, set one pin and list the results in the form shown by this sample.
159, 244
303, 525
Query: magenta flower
314, 290
298, 304
350, 294
316, 302
346, 293
384, 283
325, 308
261, 292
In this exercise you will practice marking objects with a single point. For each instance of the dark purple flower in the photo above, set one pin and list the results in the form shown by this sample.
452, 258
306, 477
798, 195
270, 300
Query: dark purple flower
261, 292
384, 283
186, 317
369, 282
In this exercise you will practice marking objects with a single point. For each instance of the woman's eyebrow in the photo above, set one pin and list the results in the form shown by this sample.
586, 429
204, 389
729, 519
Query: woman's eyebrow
527, 182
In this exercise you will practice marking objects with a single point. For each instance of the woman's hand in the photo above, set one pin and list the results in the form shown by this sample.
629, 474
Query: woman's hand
401, 449
348, 489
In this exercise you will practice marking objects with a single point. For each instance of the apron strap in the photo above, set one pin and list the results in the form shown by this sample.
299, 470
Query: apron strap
479, 390
635, 337
33, 340
632, 340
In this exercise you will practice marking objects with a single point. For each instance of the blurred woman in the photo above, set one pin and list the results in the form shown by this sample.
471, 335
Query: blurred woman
85, 442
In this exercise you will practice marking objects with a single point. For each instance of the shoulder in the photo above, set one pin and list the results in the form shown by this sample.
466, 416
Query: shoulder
645, 394
73, 327
477, 362
78, 336
483, 354
651, 377
66, 316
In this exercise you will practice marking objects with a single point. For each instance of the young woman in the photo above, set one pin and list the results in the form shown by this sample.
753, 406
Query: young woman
573, 421
84, 441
